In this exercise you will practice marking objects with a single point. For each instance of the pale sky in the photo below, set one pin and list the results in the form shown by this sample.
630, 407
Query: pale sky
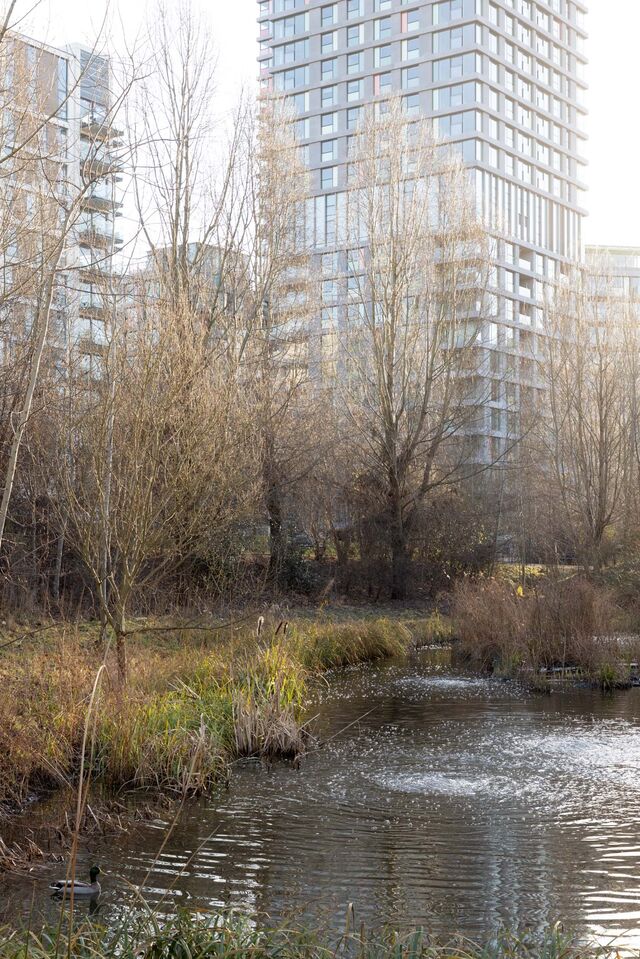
613, 150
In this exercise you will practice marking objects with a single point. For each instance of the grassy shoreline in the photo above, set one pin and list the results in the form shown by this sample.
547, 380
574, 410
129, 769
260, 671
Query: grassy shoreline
197, 698
234, 937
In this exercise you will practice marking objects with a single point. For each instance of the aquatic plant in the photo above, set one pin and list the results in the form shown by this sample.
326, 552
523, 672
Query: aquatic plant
322, 646
569, 626
233, 937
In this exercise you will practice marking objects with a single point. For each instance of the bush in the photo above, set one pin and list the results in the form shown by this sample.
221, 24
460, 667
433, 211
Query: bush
561, 623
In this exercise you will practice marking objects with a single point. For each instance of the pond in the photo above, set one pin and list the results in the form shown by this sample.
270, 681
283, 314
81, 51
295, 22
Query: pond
451, 801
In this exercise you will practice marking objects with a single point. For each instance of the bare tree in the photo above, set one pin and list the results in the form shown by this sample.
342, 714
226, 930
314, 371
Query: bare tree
278, 310
44, 179
416, 268
162, 459
585, 435
191, 179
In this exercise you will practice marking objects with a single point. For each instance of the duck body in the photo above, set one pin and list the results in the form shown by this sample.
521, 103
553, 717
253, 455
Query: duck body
88, 889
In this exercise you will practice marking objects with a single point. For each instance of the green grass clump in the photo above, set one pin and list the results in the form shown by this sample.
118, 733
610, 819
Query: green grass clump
193, 701
432, 630
233, 937
330, 645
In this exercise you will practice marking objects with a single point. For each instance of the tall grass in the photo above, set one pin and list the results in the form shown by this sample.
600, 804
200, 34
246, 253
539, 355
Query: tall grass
563, 624
326, 646
193, 703
232, 937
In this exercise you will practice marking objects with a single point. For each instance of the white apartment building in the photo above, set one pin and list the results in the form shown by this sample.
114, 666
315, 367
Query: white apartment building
503, 81
65, 95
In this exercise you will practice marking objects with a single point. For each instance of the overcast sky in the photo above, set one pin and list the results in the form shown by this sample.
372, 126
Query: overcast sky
613, 150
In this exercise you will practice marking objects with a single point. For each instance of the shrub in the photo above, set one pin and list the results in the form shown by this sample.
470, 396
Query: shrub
566, 623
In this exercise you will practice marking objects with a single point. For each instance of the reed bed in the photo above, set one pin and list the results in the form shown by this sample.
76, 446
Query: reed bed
571, 625
195, 700
232, 937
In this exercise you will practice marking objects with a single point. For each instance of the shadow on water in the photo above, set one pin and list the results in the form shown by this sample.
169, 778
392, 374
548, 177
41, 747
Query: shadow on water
457, 802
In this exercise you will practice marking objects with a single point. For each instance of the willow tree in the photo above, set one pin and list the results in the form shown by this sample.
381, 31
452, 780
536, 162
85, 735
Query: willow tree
416, 265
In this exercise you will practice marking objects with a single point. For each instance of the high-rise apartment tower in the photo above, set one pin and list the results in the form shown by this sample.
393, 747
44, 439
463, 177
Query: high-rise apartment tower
504, 82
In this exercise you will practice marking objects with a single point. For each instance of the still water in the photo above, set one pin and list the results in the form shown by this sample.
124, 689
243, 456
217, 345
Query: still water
451, 801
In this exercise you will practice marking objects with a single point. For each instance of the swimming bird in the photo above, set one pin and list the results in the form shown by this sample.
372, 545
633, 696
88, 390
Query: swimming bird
91, 888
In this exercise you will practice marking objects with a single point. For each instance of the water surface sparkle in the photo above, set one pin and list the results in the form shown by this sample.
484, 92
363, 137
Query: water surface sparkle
457, 803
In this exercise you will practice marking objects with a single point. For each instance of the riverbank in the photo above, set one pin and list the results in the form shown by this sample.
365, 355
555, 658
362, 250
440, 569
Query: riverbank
198, 697
235, 938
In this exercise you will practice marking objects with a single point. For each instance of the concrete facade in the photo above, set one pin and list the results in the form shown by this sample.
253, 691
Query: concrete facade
65, 94
503, 82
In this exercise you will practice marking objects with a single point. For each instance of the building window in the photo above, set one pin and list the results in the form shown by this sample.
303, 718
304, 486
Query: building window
63, 70
410, 21
355, 35
411, 104
353, 118
410, 78
411, 49
328, 96
328, 42
354, 63
382, 56
328, 123
328, 15
328, 69
329, 177
382, 28
328, 151
354, 90
382, 84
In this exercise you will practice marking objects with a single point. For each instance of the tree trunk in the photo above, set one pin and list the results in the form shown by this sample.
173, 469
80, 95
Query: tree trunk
121, 652
277, 544
399, 567
57, 573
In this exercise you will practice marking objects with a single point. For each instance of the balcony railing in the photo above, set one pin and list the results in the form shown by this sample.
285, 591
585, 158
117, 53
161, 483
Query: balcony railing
96, 238
91, 201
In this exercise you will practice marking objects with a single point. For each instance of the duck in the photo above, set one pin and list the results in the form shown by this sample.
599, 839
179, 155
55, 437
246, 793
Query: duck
91, 888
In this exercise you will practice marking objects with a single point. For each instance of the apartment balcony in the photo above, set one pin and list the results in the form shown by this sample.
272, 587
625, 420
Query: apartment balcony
97, 165
98, 272
90, 236
92, 309
99, 203
100, 129
90, 347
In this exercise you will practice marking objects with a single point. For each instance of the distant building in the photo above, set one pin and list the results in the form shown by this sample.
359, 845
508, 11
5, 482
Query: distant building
504, 83
621, 265
65, 95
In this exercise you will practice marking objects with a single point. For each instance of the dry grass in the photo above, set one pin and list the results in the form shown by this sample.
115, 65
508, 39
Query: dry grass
195, 700
560, 624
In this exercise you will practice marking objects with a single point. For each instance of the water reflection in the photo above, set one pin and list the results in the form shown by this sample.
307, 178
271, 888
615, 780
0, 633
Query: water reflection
457, 803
